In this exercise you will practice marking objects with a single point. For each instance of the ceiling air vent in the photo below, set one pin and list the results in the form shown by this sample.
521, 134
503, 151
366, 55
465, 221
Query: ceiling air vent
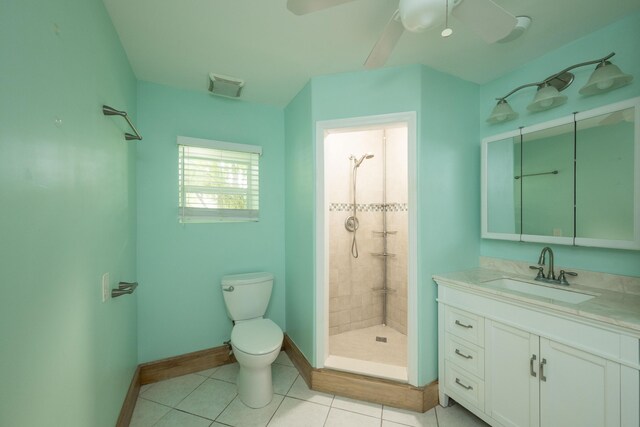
230, 87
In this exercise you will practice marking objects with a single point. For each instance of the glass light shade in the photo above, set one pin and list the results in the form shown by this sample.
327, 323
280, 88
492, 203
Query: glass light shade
502, 112
605, 77
546, 97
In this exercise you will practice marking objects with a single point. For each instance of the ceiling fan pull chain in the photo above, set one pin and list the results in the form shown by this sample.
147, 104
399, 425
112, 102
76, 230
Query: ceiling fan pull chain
447, 31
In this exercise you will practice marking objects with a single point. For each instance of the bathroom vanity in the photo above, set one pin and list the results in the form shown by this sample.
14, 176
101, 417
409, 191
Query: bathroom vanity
516, 352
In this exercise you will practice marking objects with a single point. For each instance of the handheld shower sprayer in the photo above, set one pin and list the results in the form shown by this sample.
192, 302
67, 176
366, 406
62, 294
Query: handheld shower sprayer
361, 159
352, 223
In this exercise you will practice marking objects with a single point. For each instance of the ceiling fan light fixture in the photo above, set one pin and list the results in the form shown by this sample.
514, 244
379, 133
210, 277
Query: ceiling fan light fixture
418, 15
605, 77
522, 24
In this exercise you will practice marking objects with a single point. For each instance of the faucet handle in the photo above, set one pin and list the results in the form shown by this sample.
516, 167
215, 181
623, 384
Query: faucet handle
562, 279
540, 271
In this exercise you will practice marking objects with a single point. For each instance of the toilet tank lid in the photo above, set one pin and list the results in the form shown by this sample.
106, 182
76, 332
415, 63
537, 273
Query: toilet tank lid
246, 279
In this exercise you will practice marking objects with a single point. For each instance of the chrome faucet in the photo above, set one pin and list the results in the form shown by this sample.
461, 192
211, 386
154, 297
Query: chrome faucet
550, 277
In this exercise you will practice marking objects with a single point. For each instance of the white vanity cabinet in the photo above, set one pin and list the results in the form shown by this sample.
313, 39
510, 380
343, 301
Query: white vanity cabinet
514, 364
535, 381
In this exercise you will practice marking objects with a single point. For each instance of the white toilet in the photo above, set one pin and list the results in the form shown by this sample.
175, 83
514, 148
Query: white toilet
256, 341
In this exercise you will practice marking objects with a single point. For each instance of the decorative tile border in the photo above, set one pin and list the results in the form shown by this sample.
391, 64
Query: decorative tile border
369, 207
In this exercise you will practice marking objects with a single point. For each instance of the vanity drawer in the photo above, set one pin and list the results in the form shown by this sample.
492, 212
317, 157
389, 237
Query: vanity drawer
461, 385
465, 355
465, 325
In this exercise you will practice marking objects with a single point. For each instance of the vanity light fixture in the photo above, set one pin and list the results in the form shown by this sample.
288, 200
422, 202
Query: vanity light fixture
605, 77
546, 97
502, 112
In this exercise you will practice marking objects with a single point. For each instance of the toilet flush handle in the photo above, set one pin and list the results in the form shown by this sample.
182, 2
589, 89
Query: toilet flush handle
229, 289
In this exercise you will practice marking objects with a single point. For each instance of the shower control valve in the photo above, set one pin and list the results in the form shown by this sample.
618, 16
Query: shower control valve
351, 224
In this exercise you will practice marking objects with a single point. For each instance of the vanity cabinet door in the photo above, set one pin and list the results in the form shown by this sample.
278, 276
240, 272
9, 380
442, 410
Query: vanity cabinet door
511, 375
500, 189
607, 176
577, 388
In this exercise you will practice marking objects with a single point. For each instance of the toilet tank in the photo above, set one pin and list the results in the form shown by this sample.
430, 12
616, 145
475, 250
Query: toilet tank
247, 295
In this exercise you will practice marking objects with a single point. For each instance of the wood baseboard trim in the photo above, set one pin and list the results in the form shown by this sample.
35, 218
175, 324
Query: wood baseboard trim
299, 361
129, 404
362, 387
170, 367
189, 363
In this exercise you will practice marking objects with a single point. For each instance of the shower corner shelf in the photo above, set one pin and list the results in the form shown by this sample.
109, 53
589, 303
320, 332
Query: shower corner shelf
384, 233
384, 254
383, 290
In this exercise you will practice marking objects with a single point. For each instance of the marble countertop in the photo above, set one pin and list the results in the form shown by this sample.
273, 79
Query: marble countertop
612, 307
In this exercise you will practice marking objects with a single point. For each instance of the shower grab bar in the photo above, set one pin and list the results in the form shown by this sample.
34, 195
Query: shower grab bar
110, 111
124, 288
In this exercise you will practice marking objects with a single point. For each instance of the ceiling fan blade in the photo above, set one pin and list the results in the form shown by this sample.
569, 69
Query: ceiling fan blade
302, 7
385, 44
489, 20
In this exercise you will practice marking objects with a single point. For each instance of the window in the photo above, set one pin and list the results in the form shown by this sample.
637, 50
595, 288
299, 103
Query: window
218, 181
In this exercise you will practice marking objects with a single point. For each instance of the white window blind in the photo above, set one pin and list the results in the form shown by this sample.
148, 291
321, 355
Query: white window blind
218, 181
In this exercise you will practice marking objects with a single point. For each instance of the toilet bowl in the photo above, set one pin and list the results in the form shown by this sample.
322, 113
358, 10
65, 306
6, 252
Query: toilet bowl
255, 341
256, 344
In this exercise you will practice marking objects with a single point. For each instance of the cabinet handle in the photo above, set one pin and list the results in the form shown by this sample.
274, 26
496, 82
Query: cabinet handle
468, 387
542, 377
533, 358
463, 325
466, 356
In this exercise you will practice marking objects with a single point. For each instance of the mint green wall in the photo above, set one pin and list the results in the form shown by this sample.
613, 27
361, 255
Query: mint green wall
622, 37
448, 196
180, 266
67, 215
448, 168
300, 222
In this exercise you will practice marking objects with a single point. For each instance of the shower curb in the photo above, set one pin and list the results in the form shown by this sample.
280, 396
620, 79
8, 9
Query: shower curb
363, 387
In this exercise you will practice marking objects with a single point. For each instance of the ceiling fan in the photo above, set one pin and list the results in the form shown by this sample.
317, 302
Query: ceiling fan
487, 19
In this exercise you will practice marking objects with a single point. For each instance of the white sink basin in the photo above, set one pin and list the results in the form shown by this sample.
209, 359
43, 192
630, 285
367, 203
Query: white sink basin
568, 296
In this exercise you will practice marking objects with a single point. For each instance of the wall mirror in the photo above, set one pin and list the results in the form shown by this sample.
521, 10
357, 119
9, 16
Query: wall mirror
572, 181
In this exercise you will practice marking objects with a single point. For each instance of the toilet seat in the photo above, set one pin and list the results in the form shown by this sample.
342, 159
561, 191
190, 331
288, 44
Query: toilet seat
259, 336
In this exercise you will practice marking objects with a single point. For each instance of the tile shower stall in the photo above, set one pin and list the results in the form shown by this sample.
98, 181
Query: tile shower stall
368, 265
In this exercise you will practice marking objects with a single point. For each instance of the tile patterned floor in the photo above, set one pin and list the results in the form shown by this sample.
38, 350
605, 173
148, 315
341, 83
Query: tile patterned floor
209, 399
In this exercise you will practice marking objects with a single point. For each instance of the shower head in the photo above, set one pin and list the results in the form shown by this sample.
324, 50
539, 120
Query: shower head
361, 159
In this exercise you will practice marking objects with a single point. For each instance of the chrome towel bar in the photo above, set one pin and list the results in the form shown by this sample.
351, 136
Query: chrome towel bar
110, 111
123, 289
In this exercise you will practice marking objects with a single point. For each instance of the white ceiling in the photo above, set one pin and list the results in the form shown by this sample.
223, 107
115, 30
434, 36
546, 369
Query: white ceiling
178, 42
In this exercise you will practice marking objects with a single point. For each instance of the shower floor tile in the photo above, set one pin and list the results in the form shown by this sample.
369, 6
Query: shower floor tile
361, 344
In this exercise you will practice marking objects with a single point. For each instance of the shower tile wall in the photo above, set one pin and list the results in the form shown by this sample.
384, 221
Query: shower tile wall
354, 302
397, 220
